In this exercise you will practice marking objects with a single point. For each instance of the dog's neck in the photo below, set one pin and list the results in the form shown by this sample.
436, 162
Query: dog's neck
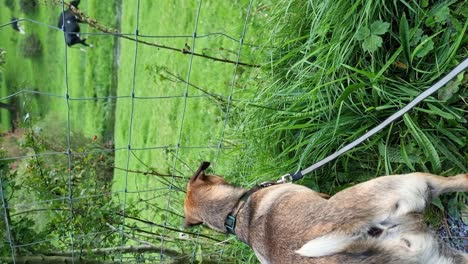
219, 206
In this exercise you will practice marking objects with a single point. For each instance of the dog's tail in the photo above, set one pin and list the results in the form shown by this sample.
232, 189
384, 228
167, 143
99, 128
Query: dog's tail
411, 248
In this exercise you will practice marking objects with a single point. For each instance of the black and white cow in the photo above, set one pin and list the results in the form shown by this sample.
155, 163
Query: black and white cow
69, 23
15, 24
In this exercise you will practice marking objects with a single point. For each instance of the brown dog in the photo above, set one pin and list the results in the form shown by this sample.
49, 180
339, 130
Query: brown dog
378, 221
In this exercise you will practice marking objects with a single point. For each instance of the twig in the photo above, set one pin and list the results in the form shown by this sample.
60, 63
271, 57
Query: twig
169, 228
149, 173
41, 209
93, 22
128, 236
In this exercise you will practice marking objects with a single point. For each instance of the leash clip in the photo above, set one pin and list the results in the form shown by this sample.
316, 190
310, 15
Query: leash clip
266, 184
285, 178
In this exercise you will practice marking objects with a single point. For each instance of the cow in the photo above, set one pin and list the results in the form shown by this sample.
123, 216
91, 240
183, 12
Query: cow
69, 24
15, 24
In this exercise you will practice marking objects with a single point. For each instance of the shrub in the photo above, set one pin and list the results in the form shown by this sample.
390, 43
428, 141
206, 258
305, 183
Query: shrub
28, 6
31, 46
10, 4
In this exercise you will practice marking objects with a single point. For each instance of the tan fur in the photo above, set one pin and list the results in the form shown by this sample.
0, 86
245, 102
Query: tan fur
378, 221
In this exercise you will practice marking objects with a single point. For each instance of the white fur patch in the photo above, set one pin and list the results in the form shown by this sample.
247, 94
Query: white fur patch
325, 245
411, 195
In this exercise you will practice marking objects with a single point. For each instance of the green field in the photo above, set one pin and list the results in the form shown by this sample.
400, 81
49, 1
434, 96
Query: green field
46, 73
162, 117
157, 127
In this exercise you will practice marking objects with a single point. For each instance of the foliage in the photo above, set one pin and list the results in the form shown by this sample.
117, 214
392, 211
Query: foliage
370, 37
10, 4
31, 46
342, 67
85, 176
29, 6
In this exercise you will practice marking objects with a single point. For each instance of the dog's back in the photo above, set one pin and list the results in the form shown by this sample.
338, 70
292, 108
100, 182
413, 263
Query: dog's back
283, 219
379, 221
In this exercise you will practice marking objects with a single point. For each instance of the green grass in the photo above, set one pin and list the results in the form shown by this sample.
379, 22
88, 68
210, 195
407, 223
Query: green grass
157, 122
327, 89
325, 81
46, 73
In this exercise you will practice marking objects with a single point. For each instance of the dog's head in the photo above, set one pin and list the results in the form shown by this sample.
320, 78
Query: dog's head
202, 191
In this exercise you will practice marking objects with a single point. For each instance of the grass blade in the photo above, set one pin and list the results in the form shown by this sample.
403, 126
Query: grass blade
424, 142
405, 39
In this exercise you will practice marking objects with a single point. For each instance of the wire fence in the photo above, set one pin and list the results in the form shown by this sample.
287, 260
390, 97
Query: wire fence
135, 237
131, 248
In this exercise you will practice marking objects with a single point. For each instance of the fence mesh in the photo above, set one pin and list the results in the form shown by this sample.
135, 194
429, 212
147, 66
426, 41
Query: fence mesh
145, 219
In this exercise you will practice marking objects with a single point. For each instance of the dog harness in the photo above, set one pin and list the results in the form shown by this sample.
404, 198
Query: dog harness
231, 219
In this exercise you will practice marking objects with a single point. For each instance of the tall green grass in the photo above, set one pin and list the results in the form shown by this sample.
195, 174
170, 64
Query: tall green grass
340, 68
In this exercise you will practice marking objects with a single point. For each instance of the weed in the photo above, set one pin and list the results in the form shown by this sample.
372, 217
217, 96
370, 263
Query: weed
31, 46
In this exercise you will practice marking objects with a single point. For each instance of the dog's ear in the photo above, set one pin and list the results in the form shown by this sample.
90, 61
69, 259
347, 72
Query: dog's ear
200, 173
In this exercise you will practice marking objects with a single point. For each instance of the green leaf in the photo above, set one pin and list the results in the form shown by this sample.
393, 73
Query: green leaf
405, 157
442, 14
372, 43
452, 208
434, 109
436, 201
447, 153
416, 37
451, 88
404, 38
362, 33
424, 3
379, 27
438, 14
199, 255
425, 47
347, 91
464, 214
424, 142
370, 75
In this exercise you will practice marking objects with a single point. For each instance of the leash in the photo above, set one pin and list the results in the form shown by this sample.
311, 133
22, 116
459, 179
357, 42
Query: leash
230, 222
452, 74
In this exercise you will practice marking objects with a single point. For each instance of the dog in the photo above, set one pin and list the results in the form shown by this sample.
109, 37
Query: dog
69, 24
378, 221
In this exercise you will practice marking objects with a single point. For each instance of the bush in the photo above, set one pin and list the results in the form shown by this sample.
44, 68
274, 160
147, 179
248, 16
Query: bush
28, 6
10, 4
31, 46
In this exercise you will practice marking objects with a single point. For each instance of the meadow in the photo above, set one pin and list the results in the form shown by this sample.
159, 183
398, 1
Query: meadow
43, 76
174, 125
330, 72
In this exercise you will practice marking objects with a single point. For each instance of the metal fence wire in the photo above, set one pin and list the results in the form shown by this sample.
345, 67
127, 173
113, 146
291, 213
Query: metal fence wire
136, 238
148, 245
